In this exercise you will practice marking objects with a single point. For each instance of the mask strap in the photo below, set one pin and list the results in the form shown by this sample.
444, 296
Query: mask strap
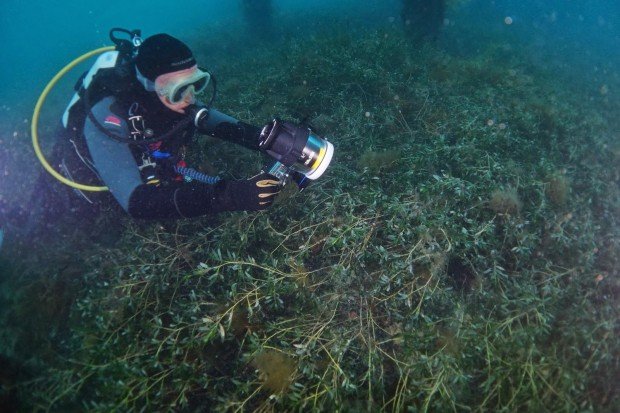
148, 84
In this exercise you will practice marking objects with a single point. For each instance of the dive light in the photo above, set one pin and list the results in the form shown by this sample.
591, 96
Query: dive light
300, 155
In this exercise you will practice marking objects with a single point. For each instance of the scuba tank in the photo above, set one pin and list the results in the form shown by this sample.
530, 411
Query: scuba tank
110, 75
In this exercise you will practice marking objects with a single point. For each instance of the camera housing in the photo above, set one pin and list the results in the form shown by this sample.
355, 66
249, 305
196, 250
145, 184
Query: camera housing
299, 153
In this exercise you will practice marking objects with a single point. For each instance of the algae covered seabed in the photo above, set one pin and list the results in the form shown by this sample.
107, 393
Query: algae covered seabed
461, 254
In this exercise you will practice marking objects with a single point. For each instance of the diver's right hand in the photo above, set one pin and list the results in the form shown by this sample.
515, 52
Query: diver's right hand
256, 193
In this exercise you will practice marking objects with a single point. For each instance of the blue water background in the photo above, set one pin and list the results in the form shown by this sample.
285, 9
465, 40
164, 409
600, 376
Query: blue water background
39, 37
580, 40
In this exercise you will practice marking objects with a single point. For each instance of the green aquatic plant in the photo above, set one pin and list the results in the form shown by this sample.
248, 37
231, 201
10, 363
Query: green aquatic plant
375, 161
411, 278
276, 370
505, 201
557, 189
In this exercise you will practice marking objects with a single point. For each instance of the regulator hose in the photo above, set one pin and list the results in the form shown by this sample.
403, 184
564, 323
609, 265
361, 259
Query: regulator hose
193, 174
35, 122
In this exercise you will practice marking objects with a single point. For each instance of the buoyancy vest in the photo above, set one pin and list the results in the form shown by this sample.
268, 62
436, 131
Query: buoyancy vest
146, 117
110, 75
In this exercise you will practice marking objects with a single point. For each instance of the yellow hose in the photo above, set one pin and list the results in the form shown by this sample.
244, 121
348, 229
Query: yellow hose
35, 122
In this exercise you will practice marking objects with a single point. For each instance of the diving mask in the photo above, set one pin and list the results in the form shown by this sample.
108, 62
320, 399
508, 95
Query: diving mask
175, 86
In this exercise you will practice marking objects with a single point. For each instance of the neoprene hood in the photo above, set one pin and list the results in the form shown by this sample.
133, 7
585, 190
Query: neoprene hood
162, 53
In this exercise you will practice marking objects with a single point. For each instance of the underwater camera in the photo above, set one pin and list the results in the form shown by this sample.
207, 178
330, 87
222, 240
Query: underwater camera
300, 155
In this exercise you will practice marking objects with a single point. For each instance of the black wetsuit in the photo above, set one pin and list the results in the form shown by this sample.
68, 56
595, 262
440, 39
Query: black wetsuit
154, 190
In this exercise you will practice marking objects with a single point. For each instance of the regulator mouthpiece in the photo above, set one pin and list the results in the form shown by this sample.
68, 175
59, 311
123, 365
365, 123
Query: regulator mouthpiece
297, 148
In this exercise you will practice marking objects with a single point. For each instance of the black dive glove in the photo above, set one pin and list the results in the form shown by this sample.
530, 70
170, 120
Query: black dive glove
194, 199
254, 194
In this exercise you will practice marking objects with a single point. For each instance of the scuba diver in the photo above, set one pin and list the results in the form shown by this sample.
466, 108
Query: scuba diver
143, 177
128, 124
